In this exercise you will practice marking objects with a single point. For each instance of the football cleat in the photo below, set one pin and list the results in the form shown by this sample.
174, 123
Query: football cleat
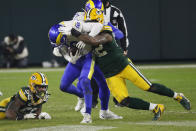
87, 118
107, 114
80, 104
1, 94
183, 101
158, 111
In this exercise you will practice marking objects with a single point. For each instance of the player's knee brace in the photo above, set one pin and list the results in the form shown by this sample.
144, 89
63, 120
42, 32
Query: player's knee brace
85, 84
135, 103
161, 90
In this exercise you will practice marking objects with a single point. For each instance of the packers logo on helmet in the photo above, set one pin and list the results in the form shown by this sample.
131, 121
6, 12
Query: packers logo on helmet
38, 84
94, 14
56, 38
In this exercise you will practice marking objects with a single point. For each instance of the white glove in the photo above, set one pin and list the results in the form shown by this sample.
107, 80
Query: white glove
75, 57
56, 52
66, 30
44, 115
77, 25
30, 116
80, 45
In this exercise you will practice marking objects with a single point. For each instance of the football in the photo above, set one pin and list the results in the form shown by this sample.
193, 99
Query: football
73, 49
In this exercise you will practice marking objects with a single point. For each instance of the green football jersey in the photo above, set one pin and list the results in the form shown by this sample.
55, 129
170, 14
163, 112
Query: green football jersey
110, 58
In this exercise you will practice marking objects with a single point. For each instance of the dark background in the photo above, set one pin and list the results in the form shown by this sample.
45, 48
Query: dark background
162, 29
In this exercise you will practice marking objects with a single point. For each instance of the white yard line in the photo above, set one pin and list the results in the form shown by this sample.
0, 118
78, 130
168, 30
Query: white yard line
31, 70
62, 69
166, 66
166, 123
70, 128
96, 128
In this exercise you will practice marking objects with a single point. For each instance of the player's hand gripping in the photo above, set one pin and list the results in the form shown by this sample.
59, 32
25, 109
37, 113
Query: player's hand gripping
65, 30
80, 45
75, 57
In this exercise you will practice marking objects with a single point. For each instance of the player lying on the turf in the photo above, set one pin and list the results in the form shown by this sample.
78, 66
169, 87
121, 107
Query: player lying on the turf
117, 68
27, 103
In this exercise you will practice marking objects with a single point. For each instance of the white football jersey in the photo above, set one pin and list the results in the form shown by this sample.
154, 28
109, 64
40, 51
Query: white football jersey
92, 28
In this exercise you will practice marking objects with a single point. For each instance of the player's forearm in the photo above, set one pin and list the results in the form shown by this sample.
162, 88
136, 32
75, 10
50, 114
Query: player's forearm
89, 40
11, 115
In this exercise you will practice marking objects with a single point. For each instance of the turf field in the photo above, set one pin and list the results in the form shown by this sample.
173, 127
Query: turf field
181, 78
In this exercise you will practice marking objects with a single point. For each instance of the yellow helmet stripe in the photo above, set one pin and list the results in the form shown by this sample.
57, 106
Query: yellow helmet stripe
102, 8
43, 78
58, 39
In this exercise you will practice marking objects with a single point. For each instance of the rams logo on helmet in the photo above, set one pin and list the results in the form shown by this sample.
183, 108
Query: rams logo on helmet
94, 4
56, 38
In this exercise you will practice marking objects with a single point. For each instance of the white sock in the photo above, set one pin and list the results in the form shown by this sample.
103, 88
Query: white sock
175, 95
152, 106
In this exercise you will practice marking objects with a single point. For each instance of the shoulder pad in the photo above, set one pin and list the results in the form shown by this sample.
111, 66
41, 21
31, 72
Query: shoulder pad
24, 94
106, 28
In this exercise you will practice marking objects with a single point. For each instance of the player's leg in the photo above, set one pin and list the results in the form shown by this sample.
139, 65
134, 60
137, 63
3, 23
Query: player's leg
95, 89
3, 105
118, 89
70, 74
138, 79
84, 81
80, 102
104, 95
104, 92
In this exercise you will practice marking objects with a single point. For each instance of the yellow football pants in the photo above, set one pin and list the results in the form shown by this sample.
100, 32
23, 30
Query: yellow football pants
3, 104
117, 84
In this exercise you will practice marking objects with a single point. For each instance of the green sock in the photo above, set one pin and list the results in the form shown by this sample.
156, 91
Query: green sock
135, 103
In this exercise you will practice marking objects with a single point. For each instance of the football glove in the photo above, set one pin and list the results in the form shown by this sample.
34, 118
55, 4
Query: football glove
65, 30
75, 57
80, 45
30, 116
44, 115
56, 52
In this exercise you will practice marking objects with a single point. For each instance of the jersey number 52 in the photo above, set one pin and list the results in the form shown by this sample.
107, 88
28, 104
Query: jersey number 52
100, 52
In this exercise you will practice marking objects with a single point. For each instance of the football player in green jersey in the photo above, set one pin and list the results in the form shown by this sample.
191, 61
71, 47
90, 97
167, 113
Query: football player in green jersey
117, 68
27, 103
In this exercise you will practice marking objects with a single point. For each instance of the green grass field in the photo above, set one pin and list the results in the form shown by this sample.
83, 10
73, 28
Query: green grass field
61, 105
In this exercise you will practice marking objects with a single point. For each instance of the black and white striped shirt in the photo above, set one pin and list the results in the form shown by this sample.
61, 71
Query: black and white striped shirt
114, 15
